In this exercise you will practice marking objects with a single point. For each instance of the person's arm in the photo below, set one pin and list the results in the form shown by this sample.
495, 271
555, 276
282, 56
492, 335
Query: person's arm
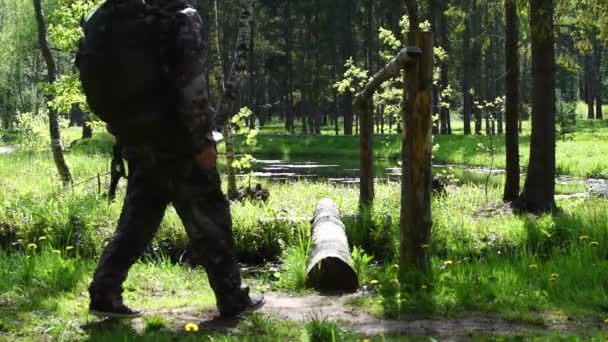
193, 107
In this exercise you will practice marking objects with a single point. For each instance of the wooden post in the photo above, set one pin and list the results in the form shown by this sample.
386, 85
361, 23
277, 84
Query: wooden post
364, 105
329, 267
366, 156
416, 182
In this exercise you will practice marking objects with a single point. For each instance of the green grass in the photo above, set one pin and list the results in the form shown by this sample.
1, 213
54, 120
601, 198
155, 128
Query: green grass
44, 295
502, 264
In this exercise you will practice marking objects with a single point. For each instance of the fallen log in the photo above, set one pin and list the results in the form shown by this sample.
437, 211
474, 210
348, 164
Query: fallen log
329, 267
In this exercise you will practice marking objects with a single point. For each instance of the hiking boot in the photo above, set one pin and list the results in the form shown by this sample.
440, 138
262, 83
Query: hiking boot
243, 304
111, 307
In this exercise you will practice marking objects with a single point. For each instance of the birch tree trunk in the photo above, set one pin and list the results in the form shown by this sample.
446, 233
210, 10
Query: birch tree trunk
56, 146
220, 91
231, 93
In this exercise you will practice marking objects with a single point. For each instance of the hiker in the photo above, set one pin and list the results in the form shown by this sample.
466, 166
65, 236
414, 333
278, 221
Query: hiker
142, 67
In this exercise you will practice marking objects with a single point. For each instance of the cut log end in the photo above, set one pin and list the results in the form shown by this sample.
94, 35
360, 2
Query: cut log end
332, 275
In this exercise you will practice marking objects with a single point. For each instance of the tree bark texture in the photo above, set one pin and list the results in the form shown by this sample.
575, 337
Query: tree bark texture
330, 265
56, 145
539, 189
415, 222
512, 101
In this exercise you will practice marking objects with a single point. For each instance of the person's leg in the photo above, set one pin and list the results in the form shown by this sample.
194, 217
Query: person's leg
143, 210
205, 212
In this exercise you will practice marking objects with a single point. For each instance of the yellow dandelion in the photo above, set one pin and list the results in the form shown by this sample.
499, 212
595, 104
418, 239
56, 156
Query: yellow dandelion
554, 276
533, 266
367, 340
42, 238
374, 282
32, 246
56, 251
69, 248
606, 321
584, 237
594, 243
191, 327
448, 263
395, 266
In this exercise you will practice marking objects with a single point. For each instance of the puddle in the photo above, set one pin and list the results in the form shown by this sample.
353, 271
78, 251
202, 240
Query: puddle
598, 187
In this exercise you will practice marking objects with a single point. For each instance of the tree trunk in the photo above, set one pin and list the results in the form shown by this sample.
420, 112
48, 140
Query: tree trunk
599, 114
416, 220
349, 52
220, 91
231, 95
289, 74
539, 189
476, 63
512, 101
467, 72
87, 131
590, 85
445, 44
56, 146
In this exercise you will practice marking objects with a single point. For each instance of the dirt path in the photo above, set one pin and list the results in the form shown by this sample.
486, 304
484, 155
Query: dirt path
303, 309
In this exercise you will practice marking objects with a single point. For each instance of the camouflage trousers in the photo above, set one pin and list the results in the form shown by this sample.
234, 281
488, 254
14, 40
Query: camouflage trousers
196, 194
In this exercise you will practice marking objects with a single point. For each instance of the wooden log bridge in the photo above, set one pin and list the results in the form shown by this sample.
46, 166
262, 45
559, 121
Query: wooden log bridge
329, 267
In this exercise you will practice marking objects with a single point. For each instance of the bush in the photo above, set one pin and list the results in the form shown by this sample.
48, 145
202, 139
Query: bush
33, 131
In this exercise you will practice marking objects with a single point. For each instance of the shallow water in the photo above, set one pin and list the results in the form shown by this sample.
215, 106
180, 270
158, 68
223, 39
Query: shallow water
346, 171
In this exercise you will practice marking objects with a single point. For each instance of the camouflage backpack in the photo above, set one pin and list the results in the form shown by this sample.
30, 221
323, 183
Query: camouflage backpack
123, 60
